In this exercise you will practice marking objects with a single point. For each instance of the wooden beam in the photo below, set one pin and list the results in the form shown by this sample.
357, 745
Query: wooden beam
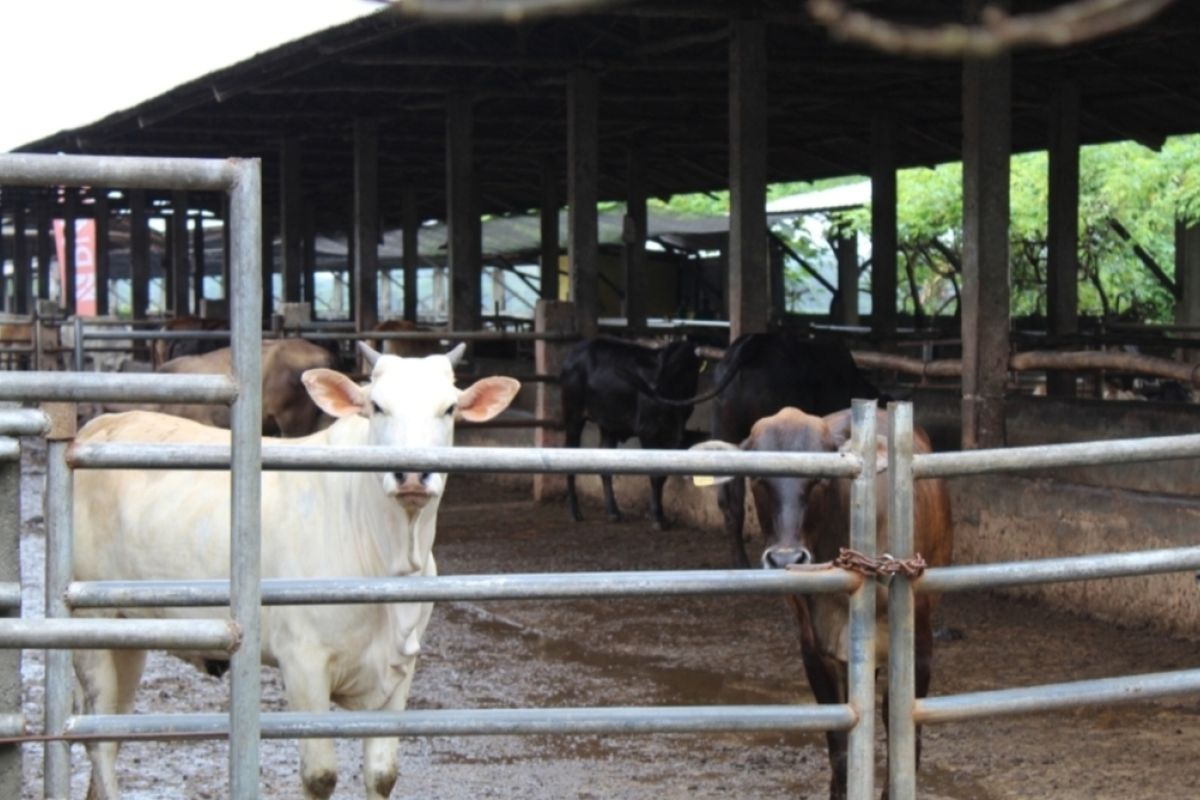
748, 268
70, 250
633, 238
845, 248
139, 254
1187, 273
291, 213
462, 215
366, 224
548, 215
308, 255
1062, 244
197, 261
883, 227
411, 243
103, 251
987, 150
583, 147
180, 274
41, 211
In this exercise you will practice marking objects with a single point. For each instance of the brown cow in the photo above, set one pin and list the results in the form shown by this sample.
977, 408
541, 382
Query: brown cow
287, 409
807, 520
405, 348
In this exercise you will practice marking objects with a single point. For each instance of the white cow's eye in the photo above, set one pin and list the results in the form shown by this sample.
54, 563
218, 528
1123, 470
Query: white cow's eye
450, 411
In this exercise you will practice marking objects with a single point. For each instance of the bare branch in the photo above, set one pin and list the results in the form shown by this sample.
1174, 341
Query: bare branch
997, 32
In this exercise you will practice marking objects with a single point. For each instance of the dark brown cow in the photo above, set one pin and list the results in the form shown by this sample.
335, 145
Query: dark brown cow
807, 520
164, 350
287, 409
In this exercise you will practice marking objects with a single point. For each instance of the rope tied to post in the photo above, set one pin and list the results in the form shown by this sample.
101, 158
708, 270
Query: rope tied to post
886, 566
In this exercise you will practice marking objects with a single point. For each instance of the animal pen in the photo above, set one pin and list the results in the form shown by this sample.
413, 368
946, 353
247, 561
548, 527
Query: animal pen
245, 592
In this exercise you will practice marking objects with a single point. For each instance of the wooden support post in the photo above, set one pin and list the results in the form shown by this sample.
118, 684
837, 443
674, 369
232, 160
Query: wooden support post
411, 222
1187, 276
883, 229
845, 248
308, 256
139, 254
197, 262
550, 316
634, 240
366, 224
749, 278
268, 267
180, 273
550, 247
103, 252
22, 266
583, 151
44, 249
987, 149
8, 295
462, 216
291, 210
70, 249
1062, 245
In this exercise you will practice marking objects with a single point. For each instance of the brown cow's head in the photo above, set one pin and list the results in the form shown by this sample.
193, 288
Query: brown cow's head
803, 519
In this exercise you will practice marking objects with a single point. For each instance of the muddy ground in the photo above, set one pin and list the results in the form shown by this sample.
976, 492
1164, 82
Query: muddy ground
676, 651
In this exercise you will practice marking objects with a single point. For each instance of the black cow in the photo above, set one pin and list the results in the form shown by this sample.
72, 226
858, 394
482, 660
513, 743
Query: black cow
600, 382
761, 373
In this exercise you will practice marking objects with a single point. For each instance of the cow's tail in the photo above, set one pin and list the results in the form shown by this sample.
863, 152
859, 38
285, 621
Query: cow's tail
733, 365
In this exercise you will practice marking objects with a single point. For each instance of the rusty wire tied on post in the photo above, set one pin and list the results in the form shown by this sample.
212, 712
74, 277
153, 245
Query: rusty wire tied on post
996, 32
885, 567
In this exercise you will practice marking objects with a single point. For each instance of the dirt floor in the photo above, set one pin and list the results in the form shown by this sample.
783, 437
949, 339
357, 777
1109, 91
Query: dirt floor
672, 652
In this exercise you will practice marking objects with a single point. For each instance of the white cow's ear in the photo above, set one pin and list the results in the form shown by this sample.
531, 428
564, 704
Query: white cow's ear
334, 393
486, 398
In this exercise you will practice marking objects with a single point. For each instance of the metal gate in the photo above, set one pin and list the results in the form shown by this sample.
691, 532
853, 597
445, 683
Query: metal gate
245, 725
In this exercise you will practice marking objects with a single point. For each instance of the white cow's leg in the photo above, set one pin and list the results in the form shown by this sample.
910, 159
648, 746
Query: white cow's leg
306, 682
109, 681
380, 756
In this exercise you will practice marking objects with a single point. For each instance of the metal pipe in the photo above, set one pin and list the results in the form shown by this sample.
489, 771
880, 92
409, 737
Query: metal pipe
22, 633
860, 779
117, 387
24, 422
12, 726
468, 459
1080, 454
902, 735
10, 449
152, 335
57, 634
422, 589
10, 594
21, 169
1050, 697
1058, 570
245, 293
457, 336
475, 722
78, 343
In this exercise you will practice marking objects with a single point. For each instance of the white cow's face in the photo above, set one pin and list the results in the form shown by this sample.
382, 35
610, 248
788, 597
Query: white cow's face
410, 403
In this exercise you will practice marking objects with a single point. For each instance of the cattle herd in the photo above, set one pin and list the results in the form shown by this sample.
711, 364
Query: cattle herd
769, 392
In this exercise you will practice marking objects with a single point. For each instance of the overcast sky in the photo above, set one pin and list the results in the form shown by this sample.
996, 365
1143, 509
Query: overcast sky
67, 63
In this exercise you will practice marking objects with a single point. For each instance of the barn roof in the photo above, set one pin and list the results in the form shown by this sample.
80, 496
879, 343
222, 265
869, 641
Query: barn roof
663, 81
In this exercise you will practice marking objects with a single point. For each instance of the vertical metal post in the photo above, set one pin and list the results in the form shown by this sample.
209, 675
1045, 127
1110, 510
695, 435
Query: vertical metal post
60, 496
10, 658
748, 279
78, 323
860, 783
902, 748
245, 215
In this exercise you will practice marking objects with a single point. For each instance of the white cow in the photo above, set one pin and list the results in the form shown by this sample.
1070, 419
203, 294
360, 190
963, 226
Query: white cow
150, 524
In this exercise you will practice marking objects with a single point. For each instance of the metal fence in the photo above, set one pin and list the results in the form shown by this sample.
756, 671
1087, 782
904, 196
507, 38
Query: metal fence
245, 592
